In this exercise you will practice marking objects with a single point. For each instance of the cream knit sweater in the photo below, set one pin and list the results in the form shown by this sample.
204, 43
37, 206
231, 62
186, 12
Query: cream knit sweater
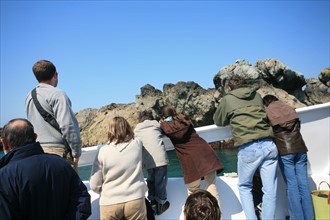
117, 173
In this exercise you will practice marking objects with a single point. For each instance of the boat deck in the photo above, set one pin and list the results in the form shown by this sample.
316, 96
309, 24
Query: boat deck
315, 130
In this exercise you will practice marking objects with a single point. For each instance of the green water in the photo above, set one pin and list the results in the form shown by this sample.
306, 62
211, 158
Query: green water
228, 158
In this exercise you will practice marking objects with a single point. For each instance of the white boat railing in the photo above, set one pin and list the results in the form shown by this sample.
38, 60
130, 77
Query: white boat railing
315, 128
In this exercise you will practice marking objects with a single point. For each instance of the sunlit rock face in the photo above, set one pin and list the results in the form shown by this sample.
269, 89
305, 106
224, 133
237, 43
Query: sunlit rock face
270, 76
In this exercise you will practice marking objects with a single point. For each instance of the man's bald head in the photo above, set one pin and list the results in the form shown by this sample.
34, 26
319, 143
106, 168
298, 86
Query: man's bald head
17, 133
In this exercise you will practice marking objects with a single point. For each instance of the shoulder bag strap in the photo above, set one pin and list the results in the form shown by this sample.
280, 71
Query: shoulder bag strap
49, 118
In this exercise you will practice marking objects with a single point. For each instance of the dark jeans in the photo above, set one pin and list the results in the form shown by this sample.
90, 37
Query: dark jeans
157, 182
294, 170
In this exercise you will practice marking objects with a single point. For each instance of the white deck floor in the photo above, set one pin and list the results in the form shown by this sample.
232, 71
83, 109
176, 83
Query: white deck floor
315, 130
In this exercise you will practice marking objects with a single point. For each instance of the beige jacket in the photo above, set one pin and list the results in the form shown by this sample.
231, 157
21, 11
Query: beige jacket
117, 173
154, 153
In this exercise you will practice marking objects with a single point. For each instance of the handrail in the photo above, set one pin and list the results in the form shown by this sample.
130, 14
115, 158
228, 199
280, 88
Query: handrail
315, 128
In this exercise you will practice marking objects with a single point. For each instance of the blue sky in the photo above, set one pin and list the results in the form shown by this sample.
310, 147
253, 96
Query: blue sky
105, 51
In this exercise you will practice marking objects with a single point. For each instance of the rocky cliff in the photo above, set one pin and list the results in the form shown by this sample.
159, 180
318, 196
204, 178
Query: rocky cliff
270, 76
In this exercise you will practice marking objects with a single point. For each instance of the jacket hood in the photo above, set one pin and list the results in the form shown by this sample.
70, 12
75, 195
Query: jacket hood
121, 146
177, 130
146, 124
243, 93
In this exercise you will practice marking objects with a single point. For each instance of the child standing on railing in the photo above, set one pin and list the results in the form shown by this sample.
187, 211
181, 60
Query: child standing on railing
154, 160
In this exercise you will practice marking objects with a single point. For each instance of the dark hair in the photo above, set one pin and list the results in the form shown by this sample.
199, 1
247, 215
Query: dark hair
44, 70
168, 111
119, 130
18, 132
201, 204
269, 99
236, 81
145, 115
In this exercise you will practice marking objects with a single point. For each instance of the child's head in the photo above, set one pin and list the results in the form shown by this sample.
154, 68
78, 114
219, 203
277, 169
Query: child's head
145, 115
119, 130
269, 99
168, 111
201, 205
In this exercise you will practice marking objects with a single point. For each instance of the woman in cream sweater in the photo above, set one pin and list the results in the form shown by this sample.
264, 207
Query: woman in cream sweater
117, 174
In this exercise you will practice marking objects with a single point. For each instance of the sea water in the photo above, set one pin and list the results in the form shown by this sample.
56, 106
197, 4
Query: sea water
228, 158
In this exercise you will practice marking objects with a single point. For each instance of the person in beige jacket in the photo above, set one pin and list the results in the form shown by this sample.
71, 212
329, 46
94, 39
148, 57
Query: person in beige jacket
154, 160
117, 174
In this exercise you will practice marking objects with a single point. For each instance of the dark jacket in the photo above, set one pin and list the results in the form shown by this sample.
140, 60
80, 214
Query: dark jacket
286, 127
196, 156
35, 185
244, 111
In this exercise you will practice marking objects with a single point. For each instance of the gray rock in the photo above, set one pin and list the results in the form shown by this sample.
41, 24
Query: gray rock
187, 97
281, 95
240, 67
316, 92
280, 75
192, 100
324, 76
85, 117
270, 76
149, 99
95, 130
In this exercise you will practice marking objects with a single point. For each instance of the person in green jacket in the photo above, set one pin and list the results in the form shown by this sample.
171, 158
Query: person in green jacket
242, 108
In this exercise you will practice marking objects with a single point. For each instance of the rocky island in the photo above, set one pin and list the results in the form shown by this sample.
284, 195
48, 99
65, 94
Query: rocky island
270, 76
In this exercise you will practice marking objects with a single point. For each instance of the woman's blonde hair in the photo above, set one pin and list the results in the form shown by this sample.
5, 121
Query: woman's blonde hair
119, 130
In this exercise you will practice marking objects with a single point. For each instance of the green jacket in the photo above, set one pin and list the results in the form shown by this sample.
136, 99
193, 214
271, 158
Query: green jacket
243, 110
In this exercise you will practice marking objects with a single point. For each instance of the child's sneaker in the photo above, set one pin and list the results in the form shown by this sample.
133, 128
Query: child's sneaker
161, 208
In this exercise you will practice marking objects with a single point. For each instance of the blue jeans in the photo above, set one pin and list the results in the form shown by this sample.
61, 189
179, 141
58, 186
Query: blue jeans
261, 155
157, 182
294, 170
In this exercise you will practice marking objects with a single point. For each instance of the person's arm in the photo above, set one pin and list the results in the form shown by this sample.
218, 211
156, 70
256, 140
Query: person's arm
80, 204
68, 123
96, 179
220, 116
